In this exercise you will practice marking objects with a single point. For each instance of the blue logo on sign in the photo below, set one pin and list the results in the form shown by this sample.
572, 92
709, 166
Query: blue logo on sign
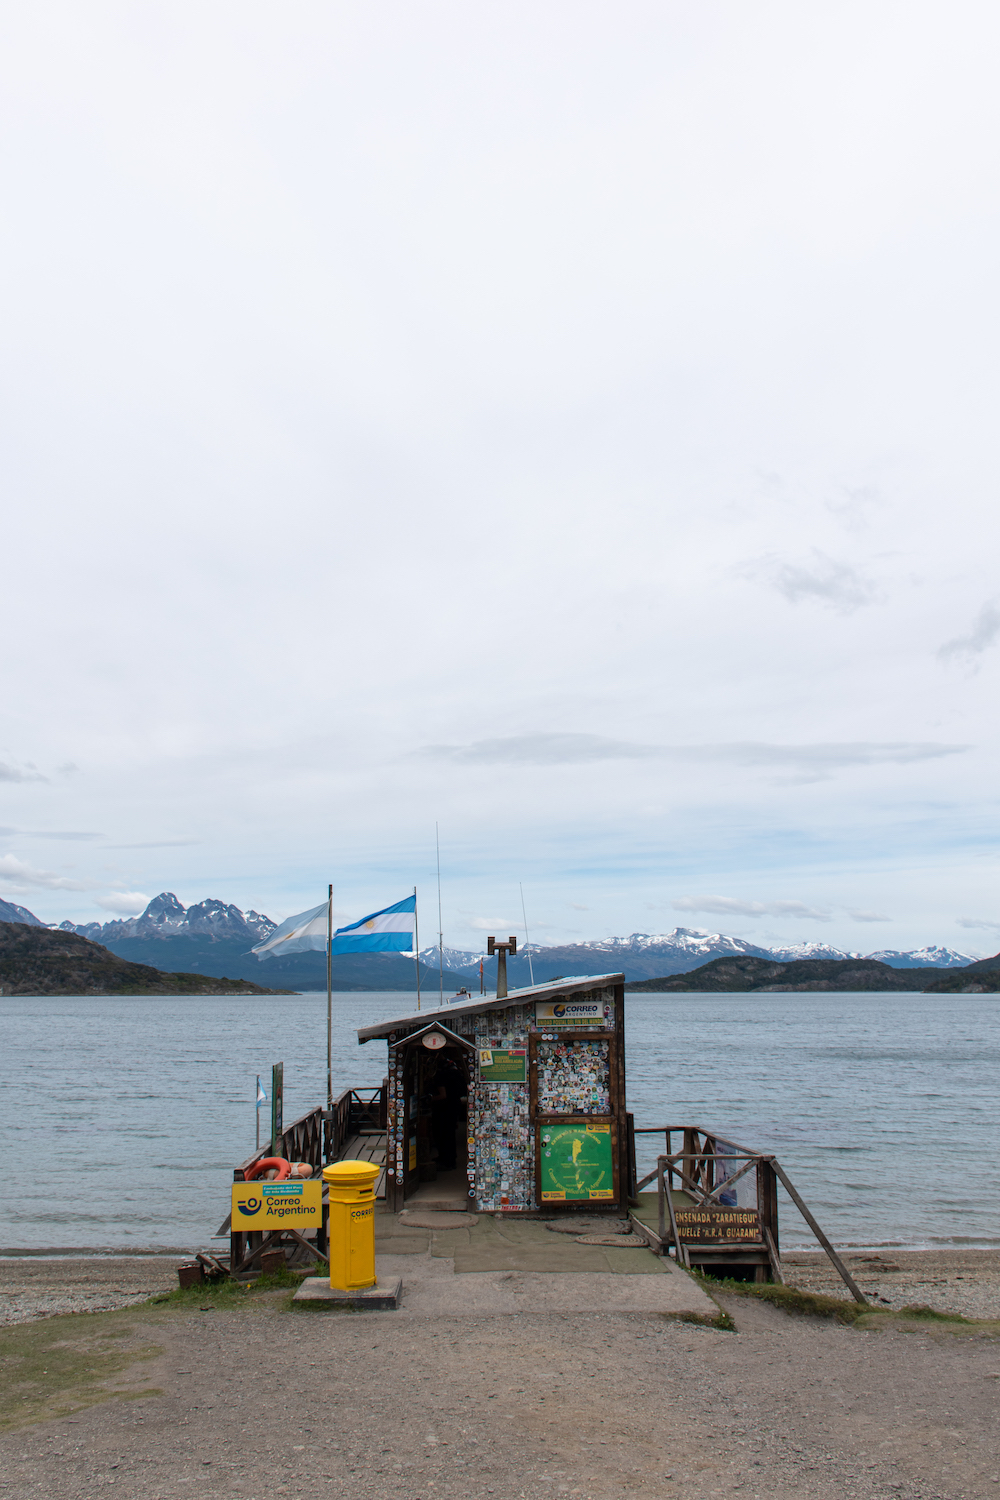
250, 1206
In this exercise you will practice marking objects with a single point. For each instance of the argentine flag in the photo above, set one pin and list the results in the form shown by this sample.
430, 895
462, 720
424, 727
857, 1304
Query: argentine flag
387, 931
305, 933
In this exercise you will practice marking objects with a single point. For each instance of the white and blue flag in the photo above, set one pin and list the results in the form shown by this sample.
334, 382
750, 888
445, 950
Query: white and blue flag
387, 931
261, 1096
305, 933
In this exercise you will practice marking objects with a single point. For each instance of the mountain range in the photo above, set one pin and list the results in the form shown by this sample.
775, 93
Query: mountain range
214, 938
655, 956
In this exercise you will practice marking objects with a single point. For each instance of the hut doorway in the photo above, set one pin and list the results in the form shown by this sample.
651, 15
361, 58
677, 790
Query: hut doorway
437, 1078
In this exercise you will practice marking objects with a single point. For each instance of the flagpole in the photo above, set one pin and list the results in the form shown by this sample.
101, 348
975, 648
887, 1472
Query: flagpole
329, 999
256, 1110
437, 841
527, 945
416, 943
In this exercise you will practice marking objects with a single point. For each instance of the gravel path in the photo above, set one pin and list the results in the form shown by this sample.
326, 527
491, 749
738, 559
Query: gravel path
258, 1401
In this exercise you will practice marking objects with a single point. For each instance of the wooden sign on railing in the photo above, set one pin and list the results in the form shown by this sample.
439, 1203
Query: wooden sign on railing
718, 1225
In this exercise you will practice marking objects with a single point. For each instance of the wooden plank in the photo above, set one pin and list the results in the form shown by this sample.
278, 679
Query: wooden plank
773, 1256
652, 1239
679, 1246
845, 1275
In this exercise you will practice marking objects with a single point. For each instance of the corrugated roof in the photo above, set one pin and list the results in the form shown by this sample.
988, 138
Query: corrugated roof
477, 1003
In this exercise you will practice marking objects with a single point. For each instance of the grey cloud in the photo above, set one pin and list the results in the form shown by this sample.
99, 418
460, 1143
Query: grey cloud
124, 903
542, 750
19, 773
36, 833
977, 922
728, 906
580, 749
826, 581
984, 634
41, 833
159, 844
17, 876
852, 505
867, 916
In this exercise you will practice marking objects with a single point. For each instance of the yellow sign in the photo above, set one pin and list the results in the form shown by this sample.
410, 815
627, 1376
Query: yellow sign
274, 1205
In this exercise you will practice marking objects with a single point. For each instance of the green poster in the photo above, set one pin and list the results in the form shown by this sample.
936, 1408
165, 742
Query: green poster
503, 1065
575, 1162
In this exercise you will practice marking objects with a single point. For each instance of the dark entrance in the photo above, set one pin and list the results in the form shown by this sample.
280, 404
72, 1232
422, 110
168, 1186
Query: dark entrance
436, 1074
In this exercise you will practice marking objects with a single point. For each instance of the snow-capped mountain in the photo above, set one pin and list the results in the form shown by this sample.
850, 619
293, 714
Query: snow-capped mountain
646, 955
920, 958
165, 917
812, 950
643, 955
9, 912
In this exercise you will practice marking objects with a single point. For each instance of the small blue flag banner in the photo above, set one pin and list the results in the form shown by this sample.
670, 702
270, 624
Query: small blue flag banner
387, 931
261, 1096
305, 933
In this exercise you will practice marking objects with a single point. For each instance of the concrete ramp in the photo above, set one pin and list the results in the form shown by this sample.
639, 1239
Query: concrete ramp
431, 1288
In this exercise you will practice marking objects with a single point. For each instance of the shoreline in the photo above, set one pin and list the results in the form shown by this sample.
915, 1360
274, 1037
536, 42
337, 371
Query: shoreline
45, 1284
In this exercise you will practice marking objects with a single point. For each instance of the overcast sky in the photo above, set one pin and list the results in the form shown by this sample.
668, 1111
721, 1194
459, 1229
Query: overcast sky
572, 424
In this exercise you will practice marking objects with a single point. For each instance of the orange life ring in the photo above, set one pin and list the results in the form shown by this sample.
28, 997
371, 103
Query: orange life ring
265, 1164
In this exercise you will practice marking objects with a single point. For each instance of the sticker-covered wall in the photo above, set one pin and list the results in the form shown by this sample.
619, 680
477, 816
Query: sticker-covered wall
501, 1137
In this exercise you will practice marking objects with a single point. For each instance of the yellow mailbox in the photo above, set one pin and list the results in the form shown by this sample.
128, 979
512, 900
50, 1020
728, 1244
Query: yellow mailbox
352, 1223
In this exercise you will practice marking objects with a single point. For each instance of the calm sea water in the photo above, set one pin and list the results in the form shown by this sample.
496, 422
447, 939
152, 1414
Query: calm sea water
124, 1118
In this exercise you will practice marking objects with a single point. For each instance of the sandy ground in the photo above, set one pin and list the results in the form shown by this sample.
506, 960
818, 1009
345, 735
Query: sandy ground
39, 1287
962, 1281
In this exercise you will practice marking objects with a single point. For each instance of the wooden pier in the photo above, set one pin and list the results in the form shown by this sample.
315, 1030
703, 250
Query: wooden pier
515, 1105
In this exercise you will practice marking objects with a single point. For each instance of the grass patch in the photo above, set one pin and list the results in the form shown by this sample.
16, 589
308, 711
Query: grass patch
840, 1310
788, 1298
722, 1322
227, 1294
58, 1366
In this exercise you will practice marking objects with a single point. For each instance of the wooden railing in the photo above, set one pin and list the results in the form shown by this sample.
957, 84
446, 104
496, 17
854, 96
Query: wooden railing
701, 1146
696, 1168
368, 1110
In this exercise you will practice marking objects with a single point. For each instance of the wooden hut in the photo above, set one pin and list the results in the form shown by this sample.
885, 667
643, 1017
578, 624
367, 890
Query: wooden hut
513, 1105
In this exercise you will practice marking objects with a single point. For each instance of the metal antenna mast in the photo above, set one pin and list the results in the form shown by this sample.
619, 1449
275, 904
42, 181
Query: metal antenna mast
437, 841
416, 943
527, 946
329, 998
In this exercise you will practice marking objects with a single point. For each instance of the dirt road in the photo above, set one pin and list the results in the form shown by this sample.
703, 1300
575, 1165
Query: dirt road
253, 1398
